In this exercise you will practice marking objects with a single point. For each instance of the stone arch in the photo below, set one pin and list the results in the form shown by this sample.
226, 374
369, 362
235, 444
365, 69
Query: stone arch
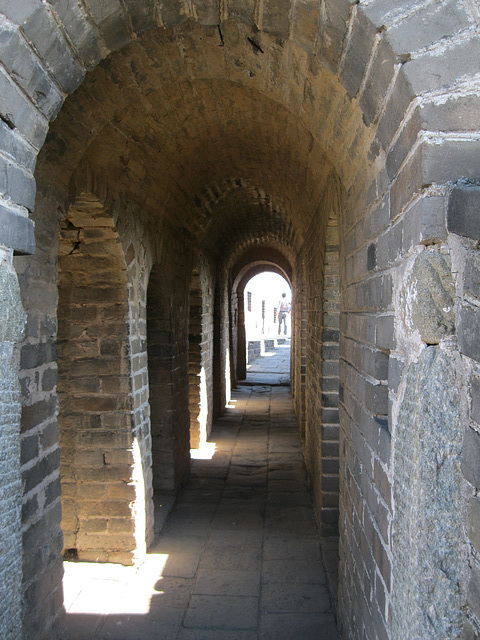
251, 262
367, 65
94, 388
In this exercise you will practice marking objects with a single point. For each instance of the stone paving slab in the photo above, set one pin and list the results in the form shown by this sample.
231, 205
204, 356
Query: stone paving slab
239, 557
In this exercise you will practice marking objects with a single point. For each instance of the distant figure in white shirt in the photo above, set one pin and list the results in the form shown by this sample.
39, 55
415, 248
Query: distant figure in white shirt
283, 308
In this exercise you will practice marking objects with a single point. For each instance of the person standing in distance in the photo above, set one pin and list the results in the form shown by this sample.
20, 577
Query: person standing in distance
283, 308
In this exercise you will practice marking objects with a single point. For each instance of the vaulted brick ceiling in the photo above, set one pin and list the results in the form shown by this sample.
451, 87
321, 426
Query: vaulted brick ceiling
227, 137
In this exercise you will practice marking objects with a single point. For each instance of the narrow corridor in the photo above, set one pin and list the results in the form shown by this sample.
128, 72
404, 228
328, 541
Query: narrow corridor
239, 557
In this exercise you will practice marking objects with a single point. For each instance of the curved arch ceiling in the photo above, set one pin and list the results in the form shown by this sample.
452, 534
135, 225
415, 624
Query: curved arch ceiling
180, 110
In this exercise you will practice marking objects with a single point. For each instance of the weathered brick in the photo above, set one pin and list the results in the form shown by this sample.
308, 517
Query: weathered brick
475, 395
403, 145
16, 231
25, 67
424, 222
471, 457
33, 476
41, 411
395, 111
111, 21
473, 596
462, 212
34, 355
40, 28
380, 77
29, 448
358, 54
468, 329
430, 24
441, 67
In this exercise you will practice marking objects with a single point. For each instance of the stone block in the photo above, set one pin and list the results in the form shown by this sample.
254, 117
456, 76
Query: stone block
474, 522
471, 457
16, 231
433, 308
469, 330
475, 395
389, 245
20, 61
38, 412
430, 24
49, 379
463, 213
447, 160
471, 278
469, 632
457, 113
424, 222
473, 595
379, 79
15, 147
35, 355
12, 314
358, 54
41, 29
403, 144
142, 14
442, 66
394, 112
276, 17
333, 29
409, 181
395, 368
81, 32
111, 20
45, 466
305, 18
29, 448
385, 332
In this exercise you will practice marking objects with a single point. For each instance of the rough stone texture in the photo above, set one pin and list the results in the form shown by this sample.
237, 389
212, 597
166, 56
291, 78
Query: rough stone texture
463, 207
433, 302
468, 328
429, 552
10, 502
95, 421
12, 322
211, 140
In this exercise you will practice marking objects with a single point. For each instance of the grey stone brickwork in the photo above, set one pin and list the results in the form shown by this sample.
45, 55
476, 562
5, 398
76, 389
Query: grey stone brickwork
212, 131
427, 491
12, 322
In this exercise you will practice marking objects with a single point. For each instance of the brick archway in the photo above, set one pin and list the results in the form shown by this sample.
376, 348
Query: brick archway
350, 107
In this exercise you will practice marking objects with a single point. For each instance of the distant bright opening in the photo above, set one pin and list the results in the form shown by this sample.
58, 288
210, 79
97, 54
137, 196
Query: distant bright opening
264, 295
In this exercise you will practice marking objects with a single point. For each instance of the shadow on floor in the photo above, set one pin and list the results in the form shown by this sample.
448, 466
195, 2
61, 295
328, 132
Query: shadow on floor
239, 557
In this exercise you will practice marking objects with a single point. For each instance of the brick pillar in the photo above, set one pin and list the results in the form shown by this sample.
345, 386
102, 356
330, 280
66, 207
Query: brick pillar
12, 321
95, 418
195, 360
241, 339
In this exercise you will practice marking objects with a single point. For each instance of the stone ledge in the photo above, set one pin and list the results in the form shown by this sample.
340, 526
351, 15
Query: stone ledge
16, 231
462, 214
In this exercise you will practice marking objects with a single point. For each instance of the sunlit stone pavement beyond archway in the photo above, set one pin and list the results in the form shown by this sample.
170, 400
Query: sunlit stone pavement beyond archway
239, 557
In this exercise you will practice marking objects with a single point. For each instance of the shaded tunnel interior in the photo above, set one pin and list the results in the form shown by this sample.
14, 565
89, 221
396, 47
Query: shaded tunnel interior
182, 149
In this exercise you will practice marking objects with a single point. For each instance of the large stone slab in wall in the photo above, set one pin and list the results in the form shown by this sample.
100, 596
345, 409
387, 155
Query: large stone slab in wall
427, 547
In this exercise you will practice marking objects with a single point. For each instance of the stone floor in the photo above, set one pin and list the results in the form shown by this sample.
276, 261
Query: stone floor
272, 368
239, 557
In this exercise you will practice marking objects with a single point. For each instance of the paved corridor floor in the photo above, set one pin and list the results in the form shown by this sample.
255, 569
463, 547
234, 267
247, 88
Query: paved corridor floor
239, 557
272, 368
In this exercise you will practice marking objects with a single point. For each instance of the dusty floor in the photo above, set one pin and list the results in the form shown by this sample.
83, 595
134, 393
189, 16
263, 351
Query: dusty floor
239, 557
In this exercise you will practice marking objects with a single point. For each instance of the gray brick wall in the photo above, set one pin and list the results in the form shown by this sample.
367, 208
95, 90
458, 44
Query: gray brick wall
405, 67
